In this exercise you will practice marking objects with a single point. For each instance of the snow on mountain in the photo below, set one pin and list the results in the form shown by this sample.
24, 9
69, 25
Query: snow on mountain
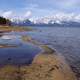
59, 18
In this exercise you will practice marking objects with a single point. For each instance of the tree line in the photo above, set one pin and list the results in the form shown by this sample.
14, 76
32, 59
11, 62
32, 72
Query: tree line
4, 21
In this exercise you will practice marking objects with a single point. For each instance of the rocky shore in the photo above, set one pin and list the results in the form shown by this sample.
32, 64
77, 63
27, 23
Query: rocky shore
45, 66
4, 29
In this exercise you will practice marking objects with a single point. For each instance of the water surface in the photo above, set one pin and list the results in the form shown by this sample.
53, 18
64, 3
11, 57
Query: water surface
14, 51
66, 40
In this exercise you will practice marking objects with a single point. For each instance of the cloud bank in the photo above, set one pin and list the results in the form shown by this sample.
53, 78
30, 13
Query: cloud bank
28, 14
7, 14
37, 8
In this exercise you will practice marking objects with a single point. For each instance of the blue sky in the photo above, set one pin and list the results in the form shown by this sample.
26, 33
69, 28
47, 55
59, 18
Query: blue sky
37, 8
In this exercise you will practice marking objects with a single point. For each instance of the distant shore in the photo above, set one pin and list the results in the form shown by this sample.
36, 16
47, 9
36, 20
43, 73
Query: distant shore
13, 28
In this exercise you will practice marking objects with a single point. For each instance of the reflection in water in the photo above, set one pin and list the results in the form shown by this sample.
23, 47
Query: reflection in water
7, 46
8, 37
14, 51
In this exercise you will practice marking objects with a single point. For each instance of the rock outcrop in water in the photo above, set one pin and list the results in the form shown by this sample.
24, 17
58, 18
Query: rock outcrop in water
48, 66
45, 66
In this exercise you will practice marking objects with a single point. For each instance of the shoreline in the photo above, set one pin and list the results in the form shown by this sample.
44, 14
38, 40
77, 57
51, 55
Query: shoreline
4, 29
47, 65
49, 57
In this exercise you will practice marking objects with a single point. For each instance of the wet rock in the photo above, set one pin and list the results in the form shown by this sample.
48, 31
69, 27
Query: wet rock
48, 67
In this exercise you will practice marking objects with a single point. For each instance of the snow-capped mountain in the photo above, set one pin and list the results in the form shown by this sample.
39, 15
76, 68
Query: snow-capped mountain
60, 19
19, 22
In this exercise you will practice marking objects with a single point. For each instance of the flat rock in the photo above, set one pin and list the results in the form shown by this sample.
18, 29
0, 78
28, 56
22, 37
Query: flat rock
48, 67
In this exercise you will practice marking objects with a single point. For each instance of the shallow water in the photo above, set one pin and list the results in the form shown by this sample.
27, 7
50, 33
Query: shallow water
66, 40
14, 51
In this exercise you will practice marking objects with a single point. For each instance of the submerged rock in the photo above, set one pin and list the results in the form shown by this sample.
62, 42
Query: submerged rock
48, 66
44, 67
10, 73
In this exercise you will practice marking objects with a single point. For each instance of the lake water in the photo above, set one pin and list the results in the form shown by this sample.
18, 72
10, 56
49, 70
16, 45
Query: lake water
66, 41
14, 51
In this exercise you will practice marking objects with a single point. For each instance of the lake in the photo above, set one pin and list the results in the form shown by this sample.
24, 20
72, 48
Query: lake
66, 41
14, 51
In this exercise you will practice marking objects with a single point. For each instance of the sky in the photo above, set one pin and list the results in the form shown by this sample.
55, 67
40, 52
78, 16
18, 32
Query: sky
37, 8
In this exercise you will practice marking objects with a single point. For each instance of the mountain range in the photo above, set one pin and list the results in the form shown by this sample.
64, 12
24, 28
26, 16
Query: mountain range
55, 20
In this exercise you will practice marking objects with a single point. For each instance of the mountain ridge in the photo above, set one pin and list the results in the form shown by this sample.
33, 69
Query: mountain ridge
57, 19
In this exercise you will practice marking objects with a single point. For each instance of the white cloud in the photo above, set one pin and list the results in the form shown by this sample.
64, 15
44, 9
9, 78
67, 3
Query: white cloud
68, 3
28, 14
7, 14
33, 6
